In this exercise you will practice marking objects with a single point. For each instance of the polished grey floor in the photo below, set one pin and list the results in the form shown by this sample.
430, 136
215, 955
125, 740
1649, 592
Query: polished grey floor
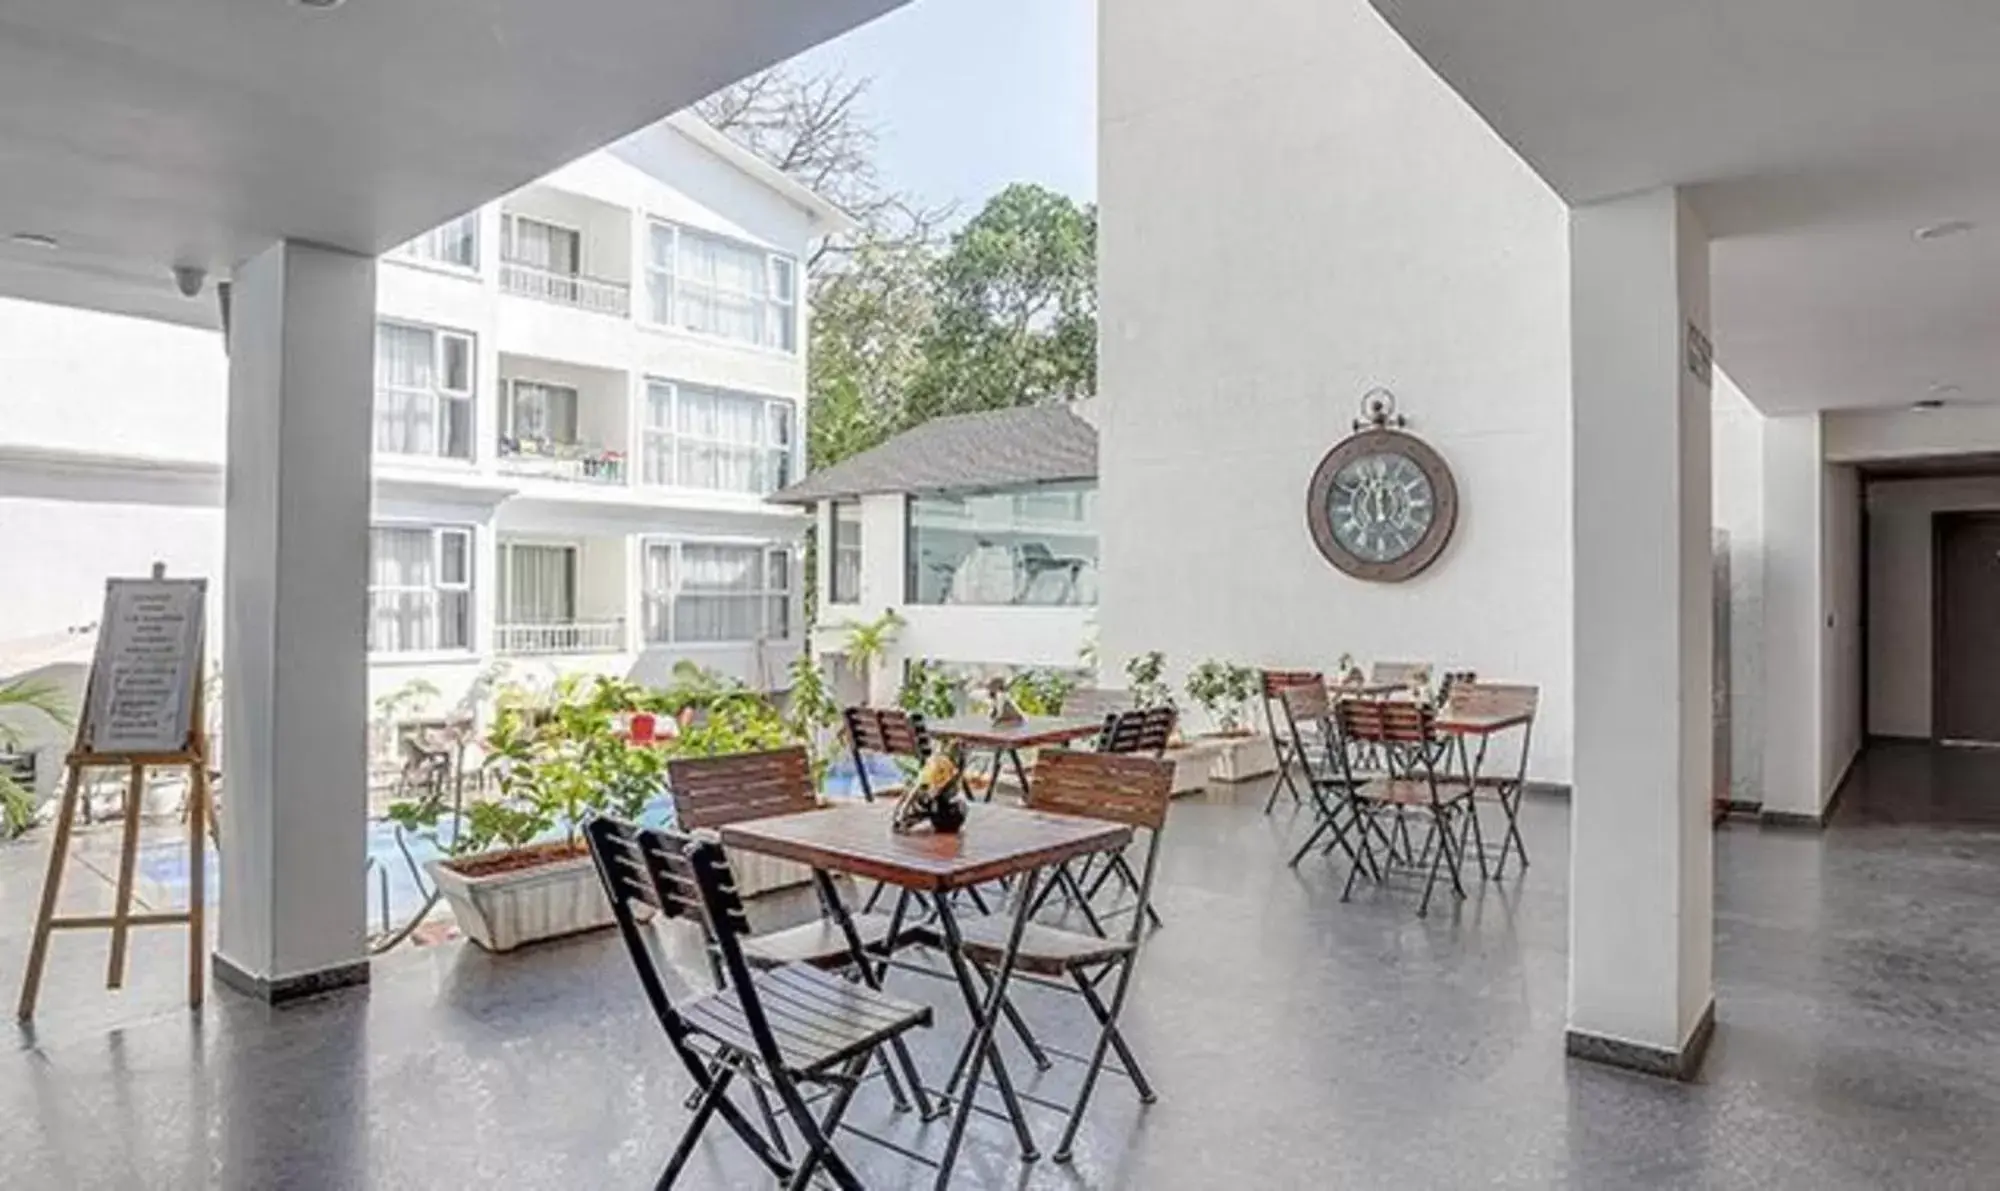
1298, 1042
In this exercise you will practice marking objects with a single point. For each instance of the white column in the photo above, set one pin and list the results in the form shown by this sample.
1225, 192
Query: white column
1793, 534
1641, 863
294, 811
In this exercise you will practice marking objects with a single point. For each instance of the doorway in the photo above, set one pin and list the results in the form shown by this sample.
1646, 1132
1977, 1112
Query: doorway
1966, 635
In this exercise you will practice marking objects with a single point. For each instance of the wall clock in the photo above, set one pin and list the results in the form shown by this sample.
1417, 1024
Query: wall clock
1382, 503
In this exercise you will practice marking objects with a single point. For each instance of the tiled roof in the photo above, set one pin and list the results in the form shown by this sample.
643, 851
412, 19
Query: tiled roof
991, 449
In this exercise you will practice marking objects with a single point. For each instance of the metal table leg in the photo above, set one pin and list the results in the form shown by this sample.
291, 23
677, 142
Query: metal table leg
980, 1048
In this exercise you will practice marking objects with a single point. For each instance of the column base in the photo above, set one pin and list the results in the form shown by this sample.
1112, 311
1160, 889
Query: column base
1682, 1064
289, 988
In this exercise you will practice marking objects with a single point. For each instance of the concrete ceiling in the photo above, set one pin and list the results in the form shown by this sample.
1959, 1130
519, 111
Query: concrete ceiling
147, 133
1816, 137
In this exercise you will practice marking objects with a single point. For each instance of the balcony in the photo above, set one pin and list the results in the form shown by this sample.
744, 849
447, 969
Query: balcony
528, 640
575, 463
566, 289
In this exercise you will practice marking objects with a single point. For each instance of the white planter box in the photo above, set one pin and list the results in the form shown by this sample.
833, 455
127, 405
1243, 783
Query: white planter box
1192, 763
504, 910
757, 873
1240, 758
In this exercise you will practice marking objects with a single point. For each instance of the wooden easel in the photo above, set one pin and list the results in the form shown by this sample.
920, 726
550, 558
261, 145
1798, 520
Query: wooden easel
191, 753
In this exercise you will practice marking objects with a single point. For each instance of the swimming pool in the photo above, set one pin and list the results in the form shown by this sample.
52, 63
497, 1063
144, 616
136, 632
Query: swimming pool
163, 863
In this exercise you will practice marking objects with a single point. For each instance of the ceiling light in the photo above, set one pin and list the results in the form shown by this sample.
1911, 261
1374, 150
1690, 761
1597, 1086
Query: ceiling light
1927, 405
1939, 231
1945, 389
319, 3
33, 240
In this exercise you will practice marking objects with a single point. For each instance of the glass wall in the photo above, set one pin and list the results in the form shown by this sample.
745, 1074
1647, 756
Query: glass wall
1024, 546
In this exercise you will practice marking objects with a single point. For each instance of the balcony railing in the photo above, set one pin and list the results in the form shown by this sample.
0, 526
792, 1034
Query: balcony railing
562, 461
566, 289
607, 636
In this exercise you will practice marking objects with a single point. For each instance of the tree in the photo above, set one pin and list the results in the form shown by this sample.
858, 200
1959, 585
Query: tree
870, 319
1016, 308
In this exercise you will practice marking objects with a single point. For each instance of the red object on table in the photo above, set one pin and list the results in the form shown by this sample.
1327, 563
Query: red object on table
643, 724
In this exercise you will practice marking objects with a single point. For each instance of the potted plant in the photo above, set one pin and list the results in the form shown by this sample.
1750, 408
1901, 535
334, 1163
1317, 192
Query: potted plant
1041, 692
22, 701
1146, 675
514, 867
1224, 690
867, 646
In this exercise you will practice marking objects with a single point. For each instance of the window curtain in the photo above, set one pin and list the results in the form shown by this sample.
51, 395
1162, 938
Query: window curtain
660, 272
721, 593
722, 442
722, 288
541, 585
658, 444
657, 582
543, 413
402, 573
543, 246
405, 390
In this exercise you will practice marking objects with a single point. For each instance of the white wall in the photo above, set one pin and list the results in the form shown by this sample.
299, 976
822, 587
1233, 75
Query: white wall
1840, 573
1338, 219
1738, 435
1860, 435
1900, 573
1794, 495
86, 381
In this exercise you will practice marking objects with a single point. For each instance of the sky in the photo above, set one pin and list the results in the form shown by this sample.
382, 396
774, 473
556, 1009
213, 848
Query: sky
971, 95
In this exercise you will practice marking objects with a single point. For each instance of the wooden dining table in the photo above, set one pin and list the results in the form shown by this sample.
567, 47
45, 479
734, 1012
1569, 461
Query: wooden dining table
1007, 740
995, 843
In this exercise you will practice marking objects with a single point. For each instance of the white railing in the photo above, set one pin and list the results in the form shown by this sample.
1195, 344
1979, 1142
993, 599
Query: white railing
594, 468
607, 636
567, 289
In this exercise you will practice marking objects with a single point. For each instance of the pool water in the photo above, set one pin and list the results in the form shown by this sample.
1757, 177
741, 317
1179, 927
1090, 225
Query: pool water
163, 864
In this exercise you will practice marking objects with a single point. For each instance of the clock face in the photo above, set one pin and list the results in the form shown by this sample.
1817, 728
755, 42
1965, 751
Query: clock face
1382, 505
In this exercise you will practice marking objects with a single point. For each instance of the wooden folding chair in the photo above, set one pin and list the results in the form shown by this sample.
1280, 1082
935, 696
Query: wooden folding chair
1404, 727
710, 792
887, 731
1502, 699
1285, 744
1127, 789
784, 1027
1307, 712
1142, 733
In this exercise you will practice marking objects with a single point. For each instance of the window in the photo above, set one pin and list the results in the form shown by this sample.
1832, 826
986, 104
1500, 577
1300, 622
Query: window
717, 592
714, 440
540, 245
535, 412
423, 391
419, 589
455, 243
537, 584
1035, 545
701, 282
844, 540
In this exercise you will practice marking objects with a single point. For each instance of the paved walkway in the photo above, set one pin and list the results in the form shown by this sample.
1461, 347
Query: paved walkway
1297, 1042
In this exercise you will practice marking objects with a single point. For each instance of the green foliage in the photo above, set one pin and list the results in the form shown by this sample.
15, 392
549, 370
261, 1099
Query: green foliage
810, 711
574, 760
929, 690
1041, 692
905, 330
1016, 308
405, 701
1146, 674
745, 722
25, 699
1222, 690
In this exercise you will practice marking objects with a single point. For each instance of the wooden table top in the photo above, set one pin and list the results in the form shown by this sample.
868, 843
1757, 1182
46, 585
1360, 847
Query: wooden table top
996, 841
1032, 732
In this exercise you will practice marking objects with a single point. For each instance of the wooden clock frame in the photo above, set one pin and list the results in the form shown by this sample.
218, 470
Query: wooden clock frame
1444, 491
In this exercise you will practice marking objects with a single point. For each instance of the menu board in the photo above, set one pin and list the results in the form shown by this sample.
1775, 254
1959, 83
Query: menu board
149, 653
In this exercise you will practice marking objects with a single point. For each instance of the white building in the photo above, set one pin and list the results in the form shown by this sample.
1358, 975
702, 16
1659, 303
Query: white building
583, 393
980, 531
